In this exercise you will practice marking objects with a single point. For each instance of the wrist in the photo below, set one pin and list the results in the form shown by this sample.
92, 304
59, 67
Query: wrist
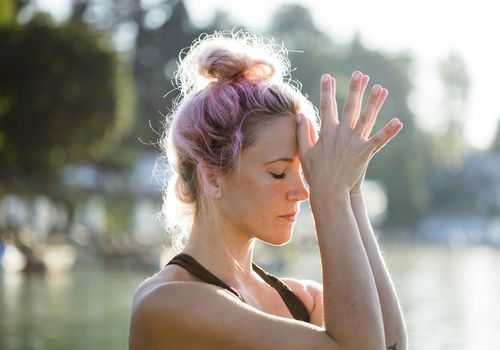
356, 193
322, 195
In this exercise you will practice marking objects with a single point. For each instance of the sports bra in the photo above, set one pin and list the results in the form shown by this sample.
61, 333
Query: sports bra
294, 304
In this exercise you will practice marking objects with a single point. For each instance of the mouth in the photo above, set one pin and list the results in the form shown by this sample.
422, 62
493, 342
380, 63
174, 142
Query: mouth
292, 217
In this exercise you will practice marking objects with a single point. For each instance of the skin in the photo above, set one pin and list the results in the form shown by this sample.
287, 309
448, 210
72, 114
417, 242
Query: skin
358, 308
394, 325
349, 135
267, 196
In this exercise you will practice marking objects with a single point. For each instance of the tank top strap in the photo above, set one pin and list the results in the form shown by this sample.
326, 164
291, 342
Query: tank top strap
292, 301
191, 265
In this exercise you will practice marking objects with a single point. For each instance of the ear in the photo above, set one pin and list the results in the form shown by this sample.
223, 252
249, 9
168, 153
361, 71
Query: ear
211, 180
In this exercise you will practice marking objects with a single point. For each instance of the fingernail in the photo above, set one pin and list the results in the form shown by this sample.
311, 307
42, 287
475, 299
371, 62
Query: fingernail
356, 76
376, 90
325, 78
394, 122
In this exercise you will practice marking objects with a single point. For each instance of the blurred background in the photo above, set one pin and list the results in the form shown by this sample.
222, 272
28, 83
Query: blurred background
85, 86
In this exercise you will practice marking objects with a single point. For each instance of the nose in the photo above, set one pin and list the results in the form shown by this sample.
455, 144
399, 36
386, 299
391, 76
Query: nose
299, 191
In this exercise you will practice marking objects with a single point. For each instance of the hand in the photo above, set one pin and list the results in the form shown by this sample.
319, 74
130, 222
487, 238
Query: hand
339, 157
381, 99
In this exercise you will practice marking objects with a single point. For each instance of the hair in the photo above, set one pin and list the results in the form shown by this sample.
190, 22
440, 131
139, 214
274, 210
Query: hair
231, 84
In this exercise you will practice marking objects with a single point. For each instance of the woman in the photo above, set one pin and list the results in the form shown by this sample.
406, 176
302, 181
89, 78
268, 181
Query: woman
238, 141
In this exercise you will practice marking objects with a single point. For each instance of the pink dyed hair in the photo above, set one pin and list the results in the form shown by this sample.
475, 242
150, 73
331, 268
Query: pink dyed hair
231, 83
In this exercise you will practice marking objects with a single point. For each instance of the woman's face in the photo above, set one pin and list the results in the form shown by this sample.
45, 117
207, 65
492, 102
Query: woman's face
263, 200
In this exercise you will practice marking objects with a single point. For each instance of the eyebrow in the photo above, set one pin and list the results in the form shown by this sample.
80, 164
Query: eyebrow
280, 160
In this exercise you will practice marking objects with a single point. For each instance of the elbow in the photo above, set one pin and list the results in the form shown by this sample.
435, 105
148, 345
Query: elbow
404, 341
399, 342
401, 345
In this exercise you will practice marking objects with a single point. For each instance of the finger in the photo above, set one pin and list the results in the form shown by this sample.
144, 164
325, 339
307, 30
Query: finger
364, 82
377, 141
327, 112
369, 111
333, 85
390, 137
373, 118
312, 131
304, 140
351, 100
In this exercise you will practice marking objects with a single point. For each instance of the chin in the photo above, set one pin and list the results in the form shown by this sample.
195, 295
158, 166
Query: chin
278, 238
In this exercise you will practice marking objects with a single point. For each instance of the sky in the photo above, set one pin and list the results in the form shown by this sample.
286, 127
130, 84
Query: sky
430, 30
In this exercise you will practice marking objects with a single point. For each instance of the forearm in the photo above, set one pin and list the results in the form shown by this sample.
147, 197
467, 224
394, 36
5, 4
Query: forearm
352, 310
394, 326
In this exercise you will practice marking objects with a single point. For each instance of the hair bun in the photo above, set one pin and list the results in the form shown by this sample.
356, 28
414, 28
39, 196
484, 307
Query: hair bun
228, 56
219, 63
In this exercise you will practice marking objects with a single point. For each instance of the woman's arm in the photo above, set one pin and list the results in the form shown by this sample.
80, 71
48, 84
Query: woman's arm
332, 164
350, 297
394, 326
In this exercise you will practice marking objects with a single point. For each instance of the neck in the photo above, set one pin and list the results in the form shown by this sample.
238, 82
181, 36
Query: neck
223, 250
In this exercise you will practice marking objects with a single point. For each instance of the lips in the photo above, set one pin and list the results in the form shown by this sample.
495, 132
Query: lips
290, 216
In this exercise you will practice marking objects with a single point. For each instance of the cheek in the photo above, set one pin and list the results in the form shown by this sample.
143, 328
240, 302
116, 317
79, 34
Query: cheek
266, 193
256, 199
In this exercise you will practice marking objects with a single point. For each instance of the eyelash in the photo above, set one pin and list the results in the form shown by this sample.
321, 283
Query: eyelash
283, 174
279, 176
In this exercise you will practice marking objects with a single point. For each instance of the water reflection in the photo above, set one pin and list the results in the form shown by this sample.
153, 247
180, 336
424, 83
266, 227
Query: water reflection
450, 297
450, 300
86, 309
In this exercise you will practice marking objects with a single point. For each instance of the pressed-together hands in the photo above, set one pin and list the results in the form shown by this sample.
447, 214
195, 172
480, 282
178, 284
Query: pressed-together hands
338, 159
334, 165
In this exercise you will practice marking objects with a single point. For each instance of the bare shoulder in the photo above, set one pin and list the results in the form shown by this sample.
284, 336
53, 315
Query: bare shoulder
309, 288
194, 315
311, 294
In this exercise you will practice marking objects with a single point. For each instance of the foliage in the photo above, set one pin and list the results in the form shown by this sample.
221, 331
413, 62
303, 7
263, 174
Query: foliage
495, 144
156, 55
153, 56
456, 86
63, 99
7, 12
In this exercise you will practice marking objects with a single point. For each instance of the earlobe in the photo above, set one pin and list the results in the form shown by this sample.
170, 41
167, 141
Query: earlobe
211, 181
216, 184
214, 189
217, 193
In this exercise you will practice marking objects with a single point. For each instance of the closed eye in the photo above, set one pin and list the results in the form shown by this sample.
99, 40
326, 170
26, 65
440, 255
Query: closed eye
279, 176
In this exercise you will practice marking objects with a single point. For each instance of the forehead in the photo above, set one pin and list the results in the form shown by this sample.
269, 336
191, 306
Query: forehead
274, 139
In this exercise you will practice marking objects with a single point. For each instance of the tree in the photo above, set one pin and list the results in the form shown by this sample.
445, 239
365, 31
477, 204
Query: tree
161, 29
63, 99
456, 85
155, 61
495, 144
7, 17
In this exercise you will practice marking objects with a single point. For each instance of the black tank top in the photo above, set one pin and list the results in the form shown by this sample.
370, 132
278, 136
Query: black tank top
294, 304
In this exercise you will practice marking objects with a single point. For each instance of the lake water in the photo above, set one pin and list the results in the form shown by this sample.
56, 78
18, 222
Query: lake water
450, 299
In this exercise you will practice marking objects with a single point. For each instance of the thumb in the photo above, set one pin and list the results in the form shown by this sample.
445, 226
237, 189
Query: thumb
303, 134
